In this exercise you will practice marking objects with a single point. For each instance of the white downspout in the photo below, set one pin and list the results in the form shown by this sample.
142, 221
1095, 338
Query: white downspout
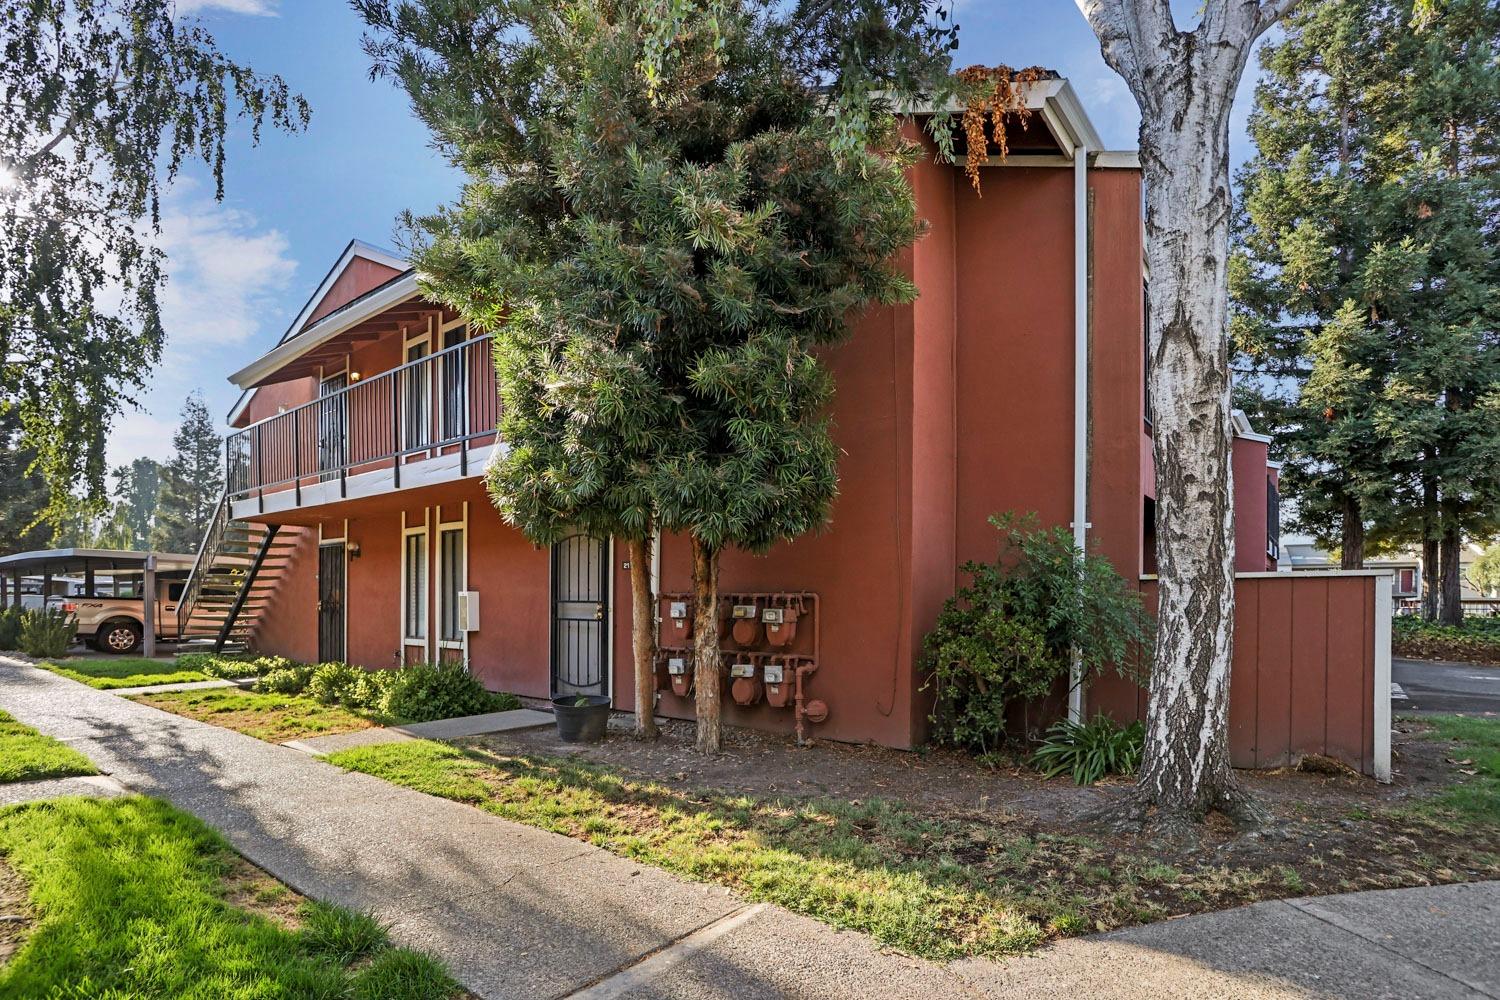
1080, 389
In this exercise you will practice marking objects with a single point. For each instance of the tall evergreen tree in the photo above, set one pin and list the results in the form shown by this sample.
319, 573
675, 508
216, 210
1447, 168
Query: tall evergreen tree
137, 490
1366, 279
663, 219
192, 481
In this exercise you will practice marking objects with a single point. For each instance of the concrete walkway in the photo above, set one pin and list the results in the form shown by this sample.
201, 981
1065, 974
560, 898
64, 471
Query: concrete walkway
211, 683
442, 729
517, 912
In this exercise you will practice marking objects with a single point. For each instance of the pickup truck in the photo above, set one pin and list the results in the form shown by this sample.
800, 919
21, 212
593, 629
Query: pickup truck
117, 624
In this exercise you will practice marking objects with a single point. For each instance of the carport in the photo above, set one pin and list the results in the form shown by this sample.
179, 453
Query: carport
102, 572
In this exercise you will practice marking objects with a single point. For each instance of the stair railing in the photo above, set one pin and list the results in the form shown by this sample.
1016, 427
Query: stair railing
203, 565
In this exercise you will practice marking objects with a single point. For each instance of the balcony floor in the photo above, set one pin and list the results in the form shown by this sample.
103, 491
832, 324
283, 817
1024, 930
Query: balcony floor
281, 504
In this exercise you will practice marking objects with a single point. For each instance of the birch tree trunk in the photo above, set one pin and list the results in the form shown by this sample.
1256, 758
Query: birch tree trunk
643, 636
706, 645
1184, 82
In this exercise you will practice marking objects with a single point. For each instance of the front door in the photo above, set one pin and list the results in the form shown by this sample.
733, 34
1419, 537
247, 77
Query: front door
580, 616
331, 602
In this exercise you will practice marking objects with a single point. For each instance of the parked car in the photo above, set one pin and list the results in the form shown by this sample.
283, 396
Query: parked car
117, 624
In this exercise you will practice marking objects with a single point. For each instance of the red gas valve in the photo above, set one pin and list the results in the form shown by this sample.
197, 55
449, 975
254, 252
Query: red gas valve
676, 621
781, 625
746, 617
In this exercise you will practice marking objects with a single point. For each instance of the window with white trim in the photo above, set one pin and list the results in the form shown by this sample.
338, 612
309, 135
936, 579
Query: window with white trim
414, 578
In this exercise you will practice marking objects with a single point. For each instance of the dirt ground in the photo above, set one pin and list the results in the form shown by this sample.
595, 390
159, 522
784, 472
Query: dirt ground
1336, 831
15, 912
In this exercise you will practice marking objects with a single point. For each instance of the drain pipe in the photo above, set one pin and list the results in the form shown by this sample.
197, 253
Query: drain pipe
1080, 391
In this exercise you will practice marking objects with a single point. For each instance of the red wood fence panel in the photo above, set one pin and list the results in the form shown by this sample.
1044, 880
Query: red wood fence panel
1311, 651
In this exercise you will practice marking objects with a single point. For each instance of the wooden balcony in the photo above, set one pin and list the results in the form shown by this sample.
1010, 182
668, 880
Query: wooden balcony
430, 420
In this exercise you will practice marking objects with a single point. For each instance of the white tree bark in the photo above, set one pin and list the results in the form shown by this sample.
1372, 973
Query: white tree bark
1184, 82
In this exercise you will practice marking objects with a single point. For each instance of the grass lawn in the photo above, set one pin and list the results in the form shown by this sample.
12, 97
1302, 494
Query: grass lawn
129, 897
1476, 799
27, 755
275, 718
122, 671
933, 886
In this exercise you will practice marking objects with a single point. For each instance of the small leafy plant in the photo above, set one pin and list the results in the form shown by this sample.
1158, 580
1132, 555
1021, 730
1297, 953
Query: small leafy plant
1090, 750
425, 691
46, 632
10, 627
1010, 635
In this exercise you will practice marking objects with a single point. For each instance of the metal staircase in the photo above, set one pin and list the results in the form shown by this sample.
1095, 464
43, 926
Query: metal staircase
232, 582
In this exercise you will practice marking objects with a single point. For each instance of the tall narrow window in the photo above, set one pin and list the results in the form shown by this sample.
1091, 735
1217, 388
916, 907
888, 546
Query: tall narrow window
414, 601
450, 581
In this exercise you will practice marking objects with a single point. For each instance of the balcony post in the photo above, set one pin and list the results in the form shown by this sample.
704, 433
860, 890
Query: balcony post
396, 427
297, 453
260, 475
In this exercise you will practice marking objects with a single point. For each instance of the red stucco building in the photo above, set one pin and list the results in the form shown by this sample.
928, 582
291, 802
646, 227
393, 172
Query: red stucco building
1014, 382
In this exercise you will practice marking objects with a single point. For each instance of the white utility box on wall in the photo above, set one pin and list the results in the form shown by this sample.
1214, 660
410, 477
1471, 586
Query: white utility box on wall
468, 611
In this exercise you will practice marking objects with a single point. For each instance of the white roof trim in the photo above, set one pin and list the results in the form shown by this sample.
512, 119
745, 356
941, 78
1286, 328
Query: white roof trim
356, 248
1117, 159
1056, 101
394, 292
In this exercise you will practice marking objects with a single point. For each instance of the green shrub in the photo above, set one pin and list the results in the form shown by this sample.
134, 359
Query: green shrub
423, 692
334, 683
1477, 640
1010, 634
10, 627
46, 632
1088, 751
292, 679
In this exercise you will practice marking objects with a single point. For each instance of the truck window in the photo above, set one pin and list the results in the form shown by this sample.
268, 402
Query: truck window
174, 591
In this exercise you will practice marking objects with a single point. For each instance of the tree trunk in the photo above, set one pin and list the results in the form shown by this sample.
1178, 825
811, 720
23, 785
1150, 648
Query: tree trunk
1352, 555
706, 645
643, 636
1452, 612
1184, 84
1431, 587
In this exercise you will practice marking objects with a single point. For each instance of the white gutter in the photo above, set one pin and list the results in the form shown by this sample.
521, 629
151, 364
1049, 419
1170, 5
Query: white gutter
1080, 389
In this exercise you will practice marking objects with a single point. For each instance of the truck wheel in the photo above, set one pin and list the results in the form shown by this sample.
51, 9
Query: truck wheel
119, 637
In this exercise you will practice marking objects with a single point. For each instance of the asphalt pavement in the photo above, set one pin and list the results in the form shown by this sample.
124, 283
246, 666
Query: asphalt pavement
1439, 687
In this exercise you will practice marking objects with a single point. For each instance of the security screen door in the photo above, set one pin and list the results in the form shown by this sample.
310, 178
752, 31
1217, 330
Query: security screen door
580, 616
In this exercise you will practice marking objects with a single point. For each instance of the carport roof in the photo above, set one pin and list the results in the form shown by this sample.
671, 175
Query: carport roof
61, 561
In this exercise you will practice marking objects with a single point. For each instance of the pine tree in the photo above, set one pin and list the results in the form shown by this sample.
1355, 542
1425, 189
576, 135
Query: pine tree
137, 489
663, 220
1366, 279
192, 481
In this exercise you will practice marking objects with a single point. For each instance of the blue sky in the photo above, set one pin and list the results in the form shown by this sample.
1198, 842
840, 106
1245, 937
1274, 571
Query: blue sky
241, 269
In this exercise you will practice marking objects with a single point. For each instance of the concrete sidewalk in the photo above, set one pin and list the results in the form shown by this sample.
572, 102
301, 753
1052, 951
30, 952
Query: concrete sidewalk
517, 912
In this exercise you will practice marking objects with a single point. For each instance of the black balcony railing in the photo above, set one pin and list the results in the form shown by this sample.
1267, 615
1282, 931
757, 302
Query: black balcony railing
438, 405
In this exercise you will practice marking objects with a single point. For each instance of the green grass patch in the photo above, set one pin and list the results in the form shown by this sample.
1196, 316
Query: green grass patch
27, 755
130, 897
938, 887
275, 718
123, 671
1475, 799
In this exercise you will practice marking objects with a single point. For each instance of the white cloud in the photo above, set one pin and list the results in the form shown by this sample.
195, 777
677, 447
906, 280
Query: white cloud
258, 8
224, 276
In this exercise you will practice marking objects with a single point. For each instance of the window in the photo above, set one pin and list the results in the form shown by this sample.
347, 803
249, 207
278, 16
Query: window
1406, 581
174, 591
416, 413
455, 407
414, 577
450, 582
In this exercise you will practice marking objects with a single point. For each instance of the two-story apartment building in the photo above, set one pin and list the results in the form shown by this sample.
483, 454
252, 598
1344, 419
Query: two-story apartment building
1014, 382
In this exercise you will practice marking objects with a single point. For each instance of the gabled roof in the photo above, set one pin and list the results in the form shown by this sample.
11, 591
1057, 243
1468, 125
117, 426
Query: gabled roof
303, 320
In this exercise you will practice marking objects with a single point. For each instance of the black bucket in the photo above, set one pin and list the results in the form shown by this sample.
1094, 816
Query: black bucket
581, 723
